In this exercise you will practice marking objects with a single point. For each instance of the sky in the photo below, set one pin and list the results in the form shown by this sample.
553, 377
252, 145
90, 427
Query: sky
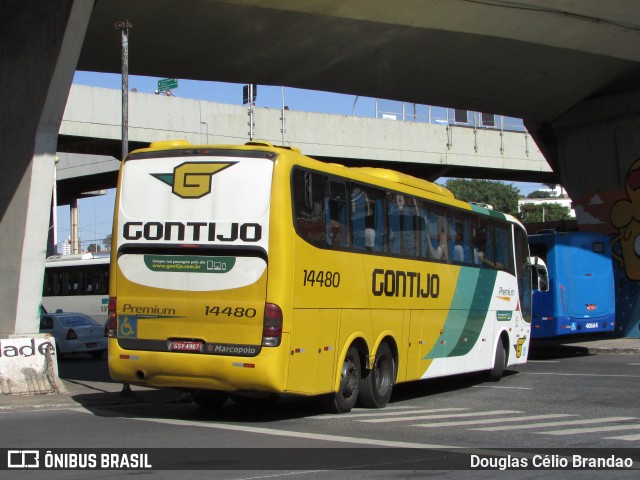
96, 213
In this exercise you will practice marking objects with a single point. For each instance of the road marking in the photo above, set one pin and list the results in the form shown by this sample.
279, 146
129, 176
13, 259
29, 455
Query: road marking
575, 431
292, 434
435, 417
556, 424
382, 413
485, 421
579, 374
632, 438
506, 388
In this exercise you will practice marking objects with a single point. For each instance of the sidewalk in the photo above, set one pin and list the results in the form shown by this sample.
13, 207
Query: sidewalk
591, 345
93, 393
88, 394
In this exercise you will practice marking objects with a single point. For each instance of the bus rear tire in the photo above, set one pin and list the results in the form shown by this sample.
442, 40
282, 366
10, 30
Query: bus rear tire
499, 363
345, 398
376, 385
209, 399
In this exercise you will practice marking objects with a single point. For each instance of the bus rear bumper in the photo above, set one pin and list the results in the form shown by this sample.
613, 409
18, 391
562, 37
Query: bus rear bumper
196, 371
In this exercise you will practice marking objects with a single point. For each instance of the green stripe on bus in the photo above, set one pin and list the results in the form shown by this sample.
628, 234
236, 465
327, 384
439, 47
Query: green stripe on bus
467, 314
477, 314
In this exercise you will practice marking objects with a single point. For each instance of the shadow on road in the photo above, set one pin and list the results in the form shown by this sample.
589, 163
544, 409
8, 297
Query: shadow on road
82, 367
542, 349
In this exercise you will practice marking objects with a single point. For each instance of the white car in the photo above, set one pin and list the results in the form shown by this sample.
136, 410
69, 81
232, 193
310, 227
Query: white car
74, 333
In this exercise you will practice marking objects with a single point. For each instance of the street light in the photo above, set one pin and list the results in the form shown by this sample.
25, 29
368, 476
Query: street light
353, 110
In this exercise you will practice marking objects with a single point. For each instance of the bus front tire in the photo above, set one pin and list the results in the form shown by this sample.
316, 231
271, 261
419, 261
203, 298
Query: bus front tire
345, 398
209, 399
376, 385
500, 361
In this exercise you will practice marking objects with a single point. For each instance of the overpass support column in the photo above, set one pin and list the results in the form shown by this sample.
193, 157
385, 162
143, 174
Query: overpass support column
595, 150
40, 45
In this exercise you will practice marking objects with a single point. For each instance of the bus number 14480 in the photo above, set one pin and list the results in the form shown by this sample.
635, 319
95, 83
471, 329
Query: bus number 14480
321, 278
230, 311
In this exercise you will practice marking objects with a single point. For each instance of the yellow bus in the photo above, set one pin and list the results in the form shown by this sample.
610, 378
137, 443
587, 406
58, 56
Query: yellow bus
254, 270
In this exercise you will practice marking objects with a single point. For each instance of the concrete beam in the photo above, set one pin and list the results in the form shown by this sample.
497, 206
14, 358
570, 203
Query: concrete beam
422, 149
40, 48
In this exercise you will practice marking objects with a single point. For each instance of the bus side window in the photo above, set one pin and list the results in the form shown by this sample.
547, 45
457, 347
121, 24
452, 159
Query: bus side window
443, 234
460, 239
336, 215
359, 206
308, 207
394, 222
503, 248
103, 287
411, 228
485, 254
379, 222
434, 232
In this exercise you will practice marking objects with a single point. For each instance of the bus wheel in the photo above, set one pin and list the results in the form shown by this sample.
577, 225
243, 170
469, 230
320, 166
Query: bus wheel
377, 384
209, 399
500, 360
345, 398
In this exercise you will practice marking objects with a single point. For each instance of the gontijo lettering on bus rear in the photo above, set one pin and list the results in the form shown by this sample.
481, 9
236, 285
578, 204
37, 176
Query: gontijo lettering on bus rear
192, 231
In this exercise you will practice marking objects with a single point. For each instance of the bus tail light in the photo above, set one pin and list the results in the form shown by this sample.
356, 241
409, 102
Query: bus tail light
272, 326
111, 326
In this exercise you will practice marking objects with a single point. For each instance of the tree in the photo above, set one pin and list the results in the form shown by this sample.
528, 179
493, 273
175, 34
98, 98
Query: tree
546, 212
502, 197
540, 194
107, 242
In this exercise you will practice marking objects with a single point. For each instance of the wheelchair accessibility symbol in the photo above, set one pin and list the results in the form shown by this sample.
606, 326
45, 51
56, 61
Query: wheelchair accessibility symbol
127, 326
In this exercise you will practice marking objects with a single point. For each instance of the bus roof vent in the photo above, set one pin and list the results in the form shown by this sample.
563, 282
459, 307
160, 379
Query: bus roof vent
259, 143
165, 144
483, 205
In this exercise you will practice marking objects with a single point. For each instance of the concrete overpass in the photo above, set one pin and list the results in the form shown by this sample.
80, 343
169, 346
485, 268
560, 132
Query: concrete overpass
92, 122
570, 69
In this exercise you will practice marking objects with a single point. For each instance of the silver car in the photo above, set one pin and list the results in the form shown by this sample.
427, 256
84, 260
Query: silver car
74, 333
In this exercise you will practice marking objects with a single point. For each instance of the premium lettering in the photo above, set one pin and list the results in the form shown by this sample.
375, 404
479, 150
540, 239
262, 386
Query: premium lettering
192, 231
155, 310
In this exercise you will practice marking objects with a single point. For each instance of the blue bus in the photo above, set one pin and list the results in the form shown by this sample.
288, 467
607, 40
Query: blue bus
581, 295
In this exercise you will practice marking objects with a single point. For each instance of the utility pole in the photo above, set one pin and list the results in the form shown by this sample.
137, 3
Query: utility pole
124, 27
249, 94
282, 118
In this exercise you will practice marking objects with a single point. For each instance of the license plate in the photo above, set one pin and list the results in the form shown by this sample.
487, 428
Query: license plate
185, 346
90, 345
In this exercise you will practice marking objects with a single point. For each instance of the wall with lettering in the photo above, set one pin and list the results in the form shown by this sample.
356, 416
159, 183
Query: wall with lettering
28, 366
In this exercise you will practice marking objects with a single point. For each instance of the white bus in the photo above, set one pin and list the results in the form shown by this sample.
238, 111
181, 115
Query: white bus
77, 283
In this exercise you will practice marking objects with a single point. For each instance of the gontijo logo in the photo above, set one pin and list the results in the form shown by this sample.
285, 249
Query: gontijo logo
192, 179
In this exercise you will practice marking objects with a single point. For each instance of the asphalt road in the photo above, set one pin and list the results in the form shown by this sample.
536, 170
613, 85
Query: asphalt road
564, 399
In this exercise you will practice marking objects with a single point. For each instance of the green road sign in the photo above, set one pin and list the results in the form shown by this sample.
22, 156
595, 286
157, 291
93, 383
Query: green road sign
167, 84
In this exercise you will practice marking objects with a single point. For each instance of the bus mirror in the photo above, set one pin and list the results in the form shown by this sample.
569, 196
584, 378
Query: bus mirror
541, 273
